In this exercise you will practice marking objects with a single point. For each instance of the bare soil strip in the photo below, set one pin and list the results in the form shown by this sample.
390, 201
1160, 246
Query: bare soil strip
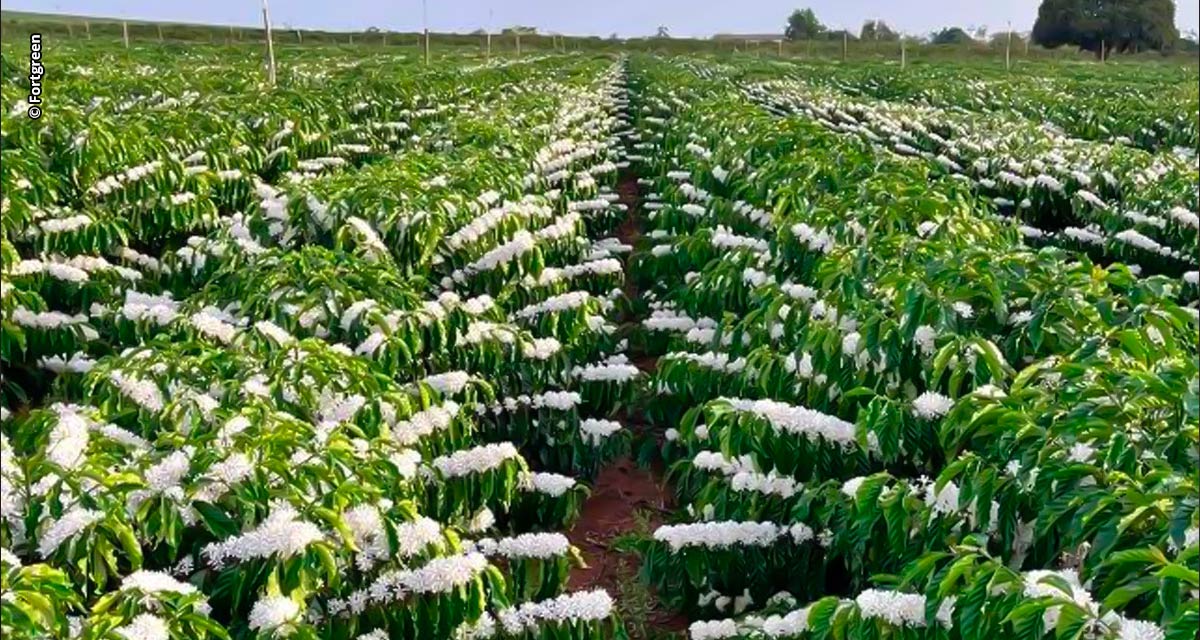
625, 497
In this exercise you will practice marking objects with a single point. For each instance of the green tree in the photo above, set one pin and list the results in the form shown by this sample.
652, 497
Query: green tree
877, 30
1113, 25
803, 25
951, 35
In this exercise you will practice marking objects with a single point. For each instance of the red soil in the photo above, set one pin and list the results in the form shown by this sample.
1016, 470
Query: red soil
623, 489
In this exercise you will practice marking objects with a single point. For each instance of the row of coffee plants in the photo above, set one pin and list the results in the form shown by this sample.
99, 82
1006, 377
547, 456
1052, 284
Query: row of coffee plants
318, 364
1148, 106
889, 417
1118, 202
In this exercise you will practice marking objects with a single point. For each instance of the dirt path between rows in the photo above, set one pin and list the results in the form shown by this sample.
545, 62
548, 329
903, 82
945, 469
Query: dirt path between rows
626, 498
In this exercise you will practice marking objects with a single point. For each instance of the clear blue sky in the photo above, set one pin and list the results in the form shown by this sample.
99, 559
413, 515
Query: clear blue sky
586, 17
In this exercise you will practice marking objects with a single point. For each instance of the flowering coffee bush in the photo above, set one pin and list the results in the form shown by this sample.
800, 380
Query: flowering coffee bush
328, 360
912, 386
339, 358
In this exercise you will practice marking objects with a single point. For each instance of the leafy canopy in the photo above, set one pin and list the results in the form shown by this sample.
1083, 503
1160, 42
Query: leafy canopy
951, 35
1116, 25
803, 25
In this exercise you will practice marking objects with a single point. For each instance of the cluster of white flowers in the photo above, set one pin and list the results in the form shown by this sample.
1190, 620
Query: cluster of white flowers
754, 214
108, 184
581, 606
1135, 239
1084, 236
164, 477
931, 405
273, 615
439, 575
606, 248
481, 330
224, 475
1139, 630
894, 607
276, 333
550, 484
353, 312
720, 535
600, 267
370, 345
540, 348
606, 372
159, 309
770, 483
555, 304
671, 320
212, 323
540, 546
709, 360
757, 277
522, 242
67, 446
144, 393
56, 270
366, 526
1036, 586
725, 238
556, 400
424, 423
798, 420
925, 338
50, 320
75, 520
1184, 217
814, 239
65, 224
450, 383
282, 534
476, 460
374, 245
596, 431
597, 204
713, 630
77, 363
144, 626
151, 582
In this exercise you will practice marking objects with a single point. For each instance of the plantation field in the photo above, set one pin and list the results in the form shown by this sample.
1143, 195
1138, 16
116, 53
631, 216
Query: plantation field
902, 353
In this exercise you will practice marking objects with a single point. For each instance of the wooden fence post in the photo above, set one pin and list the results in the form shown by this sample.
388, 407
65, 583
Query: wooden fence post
270, 44
1008, 52
125, 33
